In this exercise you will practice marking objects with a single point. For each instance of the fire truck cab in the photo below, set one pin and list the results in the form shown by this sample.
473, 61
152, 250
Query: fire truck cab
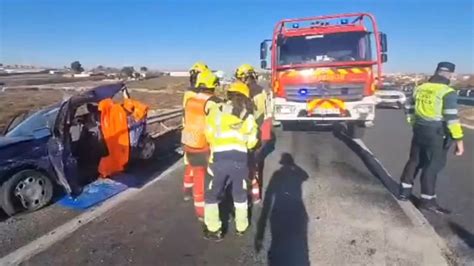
324, 70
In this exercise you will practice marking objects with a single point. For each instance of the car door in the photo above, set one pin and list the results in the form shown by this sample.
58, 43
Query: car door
59, 150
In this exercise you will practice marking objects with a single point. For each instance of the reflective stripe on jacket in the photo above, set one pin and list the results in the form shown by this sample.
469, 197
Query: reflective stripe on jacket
260, 102
227, 132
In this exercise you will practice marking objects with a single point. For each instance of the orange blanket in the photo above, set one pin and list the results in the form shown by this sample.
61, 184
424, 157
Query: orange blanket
115, 130
138, 110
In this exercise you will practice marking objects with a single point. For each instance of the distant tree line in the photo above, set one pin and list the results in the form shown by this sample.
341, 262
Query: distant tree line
126, 72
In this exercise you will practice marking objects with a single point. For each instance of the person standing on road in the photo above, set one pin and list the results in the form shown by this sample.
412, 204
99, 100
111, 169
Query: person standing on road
434, 115
231, 131
192, 90
246, 74
194, 140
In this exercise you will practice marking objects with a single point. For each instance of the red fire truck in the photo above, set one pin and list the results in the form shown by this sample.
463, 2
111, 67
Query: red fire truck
324, 70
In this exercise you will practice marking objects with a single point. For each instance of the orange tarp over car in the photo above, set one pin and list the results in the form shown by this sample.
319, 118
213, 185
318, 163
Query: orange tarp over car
114, 128
137, 109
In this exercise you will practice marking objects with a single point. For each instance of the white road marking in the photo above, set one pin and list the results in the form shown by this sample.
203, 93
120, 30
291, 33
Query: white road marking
44, 242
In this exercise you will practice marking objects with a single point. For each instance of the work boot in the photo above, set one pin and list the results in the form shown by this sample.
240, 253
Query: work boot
213, 236
432, 206
405, 193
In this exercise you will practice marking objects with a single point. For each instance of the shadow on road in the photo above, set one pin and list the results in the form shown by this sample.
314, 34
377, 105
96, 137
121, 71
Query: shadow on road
3, 216
369, 160
463, 234
283, 206
226, 206
139, 173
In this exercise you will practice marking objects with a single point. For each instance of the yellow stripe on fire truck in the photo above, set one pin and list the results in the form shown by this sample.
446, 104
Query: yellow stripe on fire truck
342, 71
328, 71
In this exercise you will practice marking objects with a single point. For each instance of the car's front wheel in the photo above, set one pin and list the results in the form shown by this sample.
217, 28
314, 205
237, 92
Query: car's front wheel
147, 148
27, 190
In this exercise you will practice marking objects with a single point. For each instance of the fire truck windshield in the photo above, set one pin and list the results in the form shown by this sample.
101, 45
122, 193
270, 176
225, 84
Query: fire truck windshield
334, 47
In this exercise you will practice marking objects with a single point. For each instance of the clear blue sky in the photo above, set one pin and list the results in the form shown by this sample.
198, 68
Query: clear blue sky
173, 34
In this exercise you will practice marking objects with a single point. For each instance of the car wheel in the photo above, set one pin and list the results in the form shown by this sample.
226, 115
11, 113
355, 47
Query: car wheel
27, 190
147, 148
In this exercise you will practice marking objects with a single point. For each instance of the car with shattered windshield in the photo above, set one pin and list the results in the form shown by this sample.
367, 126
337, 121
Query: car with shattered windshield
60, 148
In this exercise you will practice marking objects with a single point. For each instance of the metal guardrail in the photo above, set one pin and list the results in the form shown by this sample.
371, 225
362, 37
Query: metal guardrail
162, 118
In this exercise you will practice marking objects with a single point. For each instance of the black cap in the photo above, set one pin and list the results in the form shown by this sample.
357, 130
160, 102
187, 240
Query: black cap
446, 66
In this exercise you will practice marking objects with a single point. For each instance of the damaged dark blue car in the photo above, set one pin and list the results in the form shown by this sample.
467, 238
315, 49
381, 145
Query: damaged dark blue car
55, 149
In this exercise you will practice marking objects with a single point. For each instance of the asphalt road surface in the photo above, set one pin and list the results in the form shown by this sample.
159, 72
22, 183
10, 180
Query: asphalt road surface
157, 227
321, 205
21, 229
390, 142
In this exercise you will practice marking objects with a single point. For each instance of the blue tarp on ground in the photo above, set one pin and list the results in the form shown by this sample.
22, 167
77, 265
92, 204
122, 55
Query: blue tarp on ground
99, 191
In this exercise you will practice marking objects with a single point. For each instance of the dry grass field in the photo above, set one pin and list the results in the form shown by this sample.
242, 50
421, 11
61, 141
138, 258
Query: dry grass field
158, 93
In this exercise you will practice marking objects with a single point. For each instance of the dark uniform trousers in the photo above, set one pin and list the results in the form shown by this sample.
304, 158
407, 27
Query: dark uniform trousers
428, 153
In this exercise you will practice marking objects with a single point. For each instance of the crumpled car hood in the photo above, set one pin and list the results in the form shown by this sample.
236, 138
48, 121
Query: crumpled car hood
7, 141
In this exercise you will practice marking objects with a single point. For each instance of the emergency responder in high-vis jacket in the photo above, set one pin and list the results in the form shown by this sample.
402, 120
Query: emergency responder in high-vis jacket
259, 96
433, 113
231, 132
192, 90
194, 141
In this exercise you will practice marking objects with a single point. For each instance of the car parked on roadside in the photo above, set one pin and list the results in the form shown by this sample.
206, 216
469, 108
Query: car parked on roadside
390, 96
59, 146
466, 92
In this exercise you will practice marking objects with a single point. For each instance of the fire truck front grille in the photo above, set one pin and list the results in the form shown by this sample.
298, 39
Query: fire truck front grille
345, 92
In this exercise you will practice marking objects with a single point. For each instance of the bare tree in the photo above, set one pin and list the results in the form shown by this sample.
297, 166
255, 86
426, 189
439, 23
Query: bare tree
127, 71
77, 67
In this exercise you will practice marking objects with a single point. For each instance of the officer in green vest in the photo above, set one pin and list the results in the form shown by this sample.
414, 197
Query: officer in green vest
433, 113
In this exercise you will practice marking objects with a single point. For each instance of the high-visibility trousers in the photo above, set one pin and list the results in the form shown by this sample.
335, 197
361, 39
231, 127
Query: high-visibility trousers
266, 130
194, 178
224, 173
